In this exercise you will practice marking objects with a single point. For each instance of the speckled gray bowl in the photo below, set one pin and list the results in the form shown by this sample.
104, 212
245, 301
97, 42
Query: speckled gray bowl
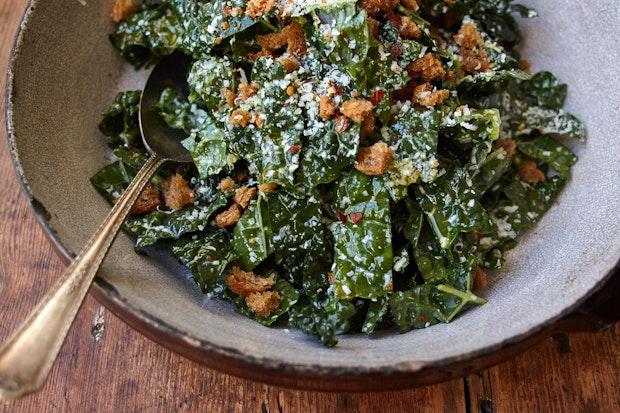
64, 73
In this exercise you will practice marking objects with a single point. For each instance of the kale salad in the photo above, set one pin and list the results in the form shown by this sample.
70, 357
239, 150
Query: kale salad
358, 165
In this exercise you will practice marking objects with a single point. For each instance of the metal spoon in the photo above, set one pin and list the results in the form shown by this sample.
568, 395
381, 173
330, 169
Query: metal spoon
27, 356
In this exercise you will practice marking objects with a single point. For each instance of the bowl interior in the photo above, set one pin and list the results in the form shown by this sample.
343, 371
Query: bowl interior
65, 74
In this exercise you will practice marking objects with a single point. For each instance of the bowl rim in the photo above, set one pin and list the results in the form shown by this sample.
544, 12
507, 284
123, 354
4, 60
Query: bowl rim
272, 371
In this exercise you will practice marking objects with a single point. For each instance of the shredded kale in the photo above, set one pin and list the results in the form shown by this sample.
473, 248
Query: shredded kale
387, 157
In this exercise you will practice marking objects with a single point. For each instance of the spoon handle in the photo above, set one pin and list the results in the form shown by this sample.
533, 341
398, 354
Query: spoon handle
27, 356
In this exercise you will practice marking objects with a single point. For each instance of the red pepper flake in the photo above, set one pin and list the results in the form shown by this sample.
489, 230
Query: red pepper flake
339, 90
421, 317
342, 123
341, 217
377, 97
478, 235
356, 217
294, 149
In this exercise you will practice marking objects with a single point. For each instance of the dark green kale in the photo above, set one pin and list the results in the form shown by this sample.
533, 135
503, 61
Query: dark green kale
348, 252
325, 319
120, 121
207, 258
147, 35
363, 257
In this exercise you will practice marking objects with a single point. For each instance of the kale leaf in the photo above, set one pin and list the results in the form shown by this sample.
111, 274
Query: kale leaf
363, 242
120, 121
207, 258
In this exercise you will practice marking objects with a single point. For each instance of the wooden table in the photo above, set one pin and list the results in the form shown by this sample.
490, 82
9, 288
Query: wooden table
106, 366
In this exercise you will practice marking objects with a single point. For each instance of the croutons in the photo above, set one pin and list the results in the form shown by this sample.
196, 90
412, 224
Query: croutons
229, 217
356, 109
468, 36
374, 160
269, 187
406, 27
256, 8
424, 95
475, 61
428, 68
507, 144
229, 96
292, 35
473, 58
410, 4
244, 283
374, 7
246, 91
529, 172
479, 278
290, 63
122, 9
263, 304
227, 184
327, 107
240, 117
245, 195
177, 193
368, 126
148, 201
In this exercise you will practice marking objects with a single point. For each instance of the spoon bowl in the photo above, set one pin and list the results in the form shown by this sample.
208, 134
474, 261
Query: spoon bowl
158, 137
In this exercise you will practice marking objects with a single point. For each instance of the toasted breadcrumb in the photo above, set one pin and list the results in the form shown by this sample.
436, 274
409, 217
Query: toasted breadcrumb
342, 123
264, 303
475, 61
227, 184
375, 7
270, 187
257, 8
245, 195
331, 277
468, 36
290, 63
473, 58
507, 144
428, 68
327, 107
229, 96
240, 117
356, 109
374, 160
480, 278
148, 201
406, 27
263, 53
122, 9
525, 65
177, 193
368, 126
410, 4
292, 35
529, 172
246, 91
424, 95
229, 217
244, 283
374, 26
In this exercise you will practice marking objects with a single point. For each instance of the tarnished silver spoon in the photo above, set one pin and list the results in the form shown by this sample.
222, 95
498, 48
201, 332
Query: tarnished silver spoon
27, 356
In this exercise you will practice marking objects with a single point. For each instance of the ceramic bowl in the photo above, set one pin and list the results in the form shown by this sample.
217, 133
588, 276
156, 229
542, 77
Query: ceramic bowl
63, 75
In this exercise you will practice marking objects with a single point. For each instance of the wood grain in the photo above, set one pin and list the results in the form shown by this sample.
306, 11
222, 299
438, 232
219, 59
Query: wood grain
107, 367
